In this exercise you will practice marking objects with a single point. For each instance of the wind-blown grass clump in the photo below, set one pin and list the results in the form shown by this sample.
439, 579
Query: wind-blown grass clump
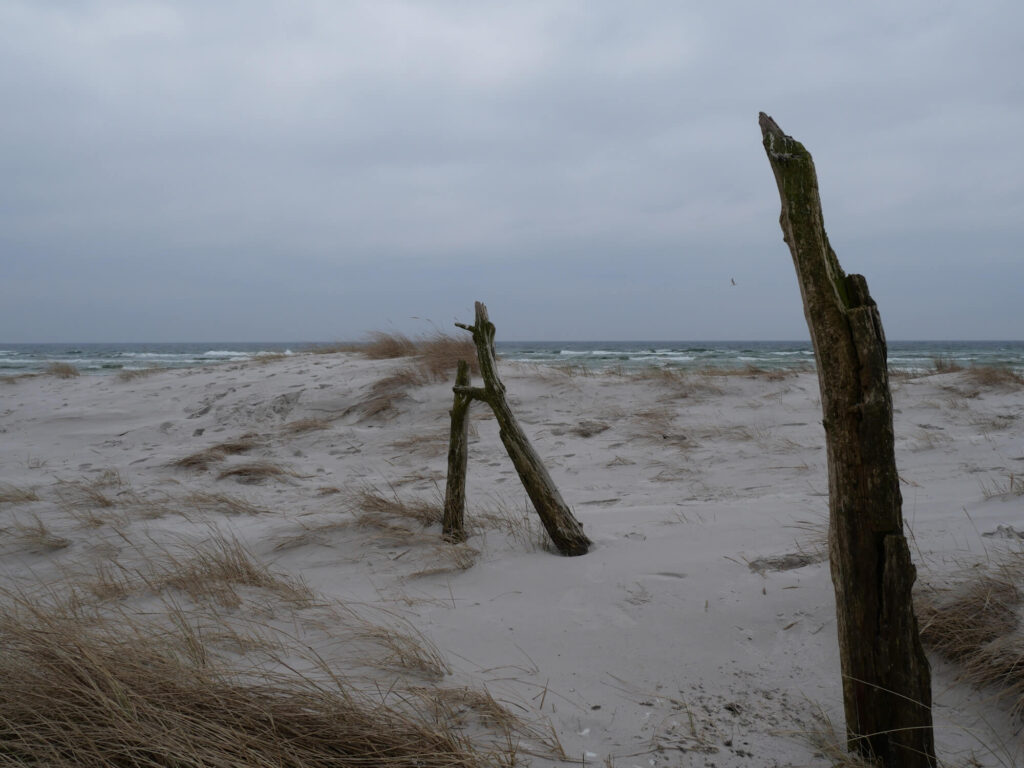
979, 628
995, 376
381, 345
81, 691
434, 358
943, 364
254, 472
131, 374
202, 460
437, 354
62, 370
216, 569
376, 509
13, 494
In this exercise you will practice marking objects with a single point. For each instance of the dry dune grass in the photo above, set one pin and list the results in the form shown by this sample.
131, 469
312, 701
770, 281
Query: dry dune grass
828, 742
199, 461
223, 503
1013, 485
382, 345
521, 526
979, 628
994, 376
679, 384
13, 494
62, 370
132, 374
438, 353
202, 460
82, 691
388, 519
658, 425
37, 537
449, 558
425, 444
756, 372
460, 704
385, 394
305, 425
253, 472
397, 644
435, 358
14, 378
215, 570
241, 444
943, 364
403, 520
78, 494
372, 507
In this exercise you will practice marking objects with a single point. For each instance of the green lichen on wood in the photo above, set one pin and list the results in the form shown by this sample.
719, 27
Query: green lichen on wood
800, 187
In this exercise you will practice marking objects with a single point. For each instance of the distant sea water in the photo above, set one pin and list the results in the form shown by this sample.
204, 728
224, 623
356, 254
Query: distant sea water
693, 355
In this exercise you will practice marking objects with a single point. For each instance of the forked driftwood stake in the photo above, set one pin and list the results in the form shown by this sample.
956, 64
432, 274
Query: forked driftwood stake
455, 492
562, 526
886, 679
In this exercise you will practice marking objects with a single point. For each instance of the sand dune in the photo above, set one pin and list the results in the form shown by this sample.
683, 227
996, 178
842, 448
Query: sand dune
290, 511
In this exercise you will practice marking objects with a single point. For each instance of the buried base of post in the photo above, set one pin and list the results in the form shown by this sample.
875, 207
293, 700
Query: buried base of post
560, 523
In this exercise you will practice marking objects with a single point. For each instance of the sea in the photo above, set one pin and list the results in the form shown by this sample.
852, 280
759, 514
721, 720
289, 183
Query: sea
917, 356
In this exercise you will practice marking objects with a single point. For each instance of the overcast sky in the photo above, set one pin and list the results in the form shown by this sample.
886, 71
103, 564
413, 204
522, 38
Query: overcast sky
250, 170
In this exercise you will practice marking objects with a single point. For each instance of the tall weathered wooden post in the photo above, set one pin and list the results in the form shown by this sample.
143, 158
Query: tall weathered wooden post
452, 525
562, 526
886, 679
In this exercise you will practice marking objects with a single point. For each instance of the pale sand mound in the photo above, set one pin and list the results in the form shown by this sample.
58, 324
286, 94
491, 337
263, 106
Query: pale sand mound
287, 512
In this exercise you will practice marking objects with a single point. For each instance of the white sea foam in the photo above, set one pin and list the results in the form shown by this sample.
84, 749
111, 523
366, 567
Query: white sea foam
663, 358
157, 355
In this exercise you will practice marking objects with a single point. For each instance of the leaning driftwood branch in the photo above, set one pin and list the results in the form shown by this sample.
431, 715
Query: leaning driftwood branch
562, 526
886, 679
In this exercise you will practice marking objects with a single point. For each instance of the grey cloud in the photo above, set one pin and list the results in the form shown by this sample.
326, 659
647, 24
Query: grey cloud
319, 169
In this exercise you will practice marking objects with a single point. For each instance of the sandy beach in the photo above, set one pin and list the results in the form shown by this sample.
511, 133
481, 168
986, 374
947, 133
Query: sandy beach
700, 629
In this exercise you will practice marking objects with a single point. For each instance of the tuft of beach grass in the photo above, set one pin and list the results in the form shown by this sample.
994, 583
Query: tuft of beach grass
132, 374
213, 570
979, 628
80, 690
254, 472
13, 494
62, 370
994, 376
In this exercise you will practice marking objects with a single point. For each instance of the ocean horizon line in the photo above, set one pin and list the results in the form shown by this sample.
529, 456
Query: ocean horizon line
324, 342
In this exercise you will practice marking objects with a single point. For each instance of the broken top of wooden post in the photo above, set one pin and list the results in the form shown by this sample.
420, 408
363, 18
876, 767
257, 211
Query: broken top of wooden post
483, 331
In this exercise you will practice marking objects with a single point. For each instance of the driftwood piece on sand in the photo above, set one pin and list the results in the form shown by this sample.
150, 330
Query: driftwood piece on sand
562, 526
886, 679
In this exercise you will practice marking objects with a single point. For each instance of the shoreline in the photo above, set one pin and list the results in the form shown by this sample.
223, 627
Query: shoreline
904, 356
